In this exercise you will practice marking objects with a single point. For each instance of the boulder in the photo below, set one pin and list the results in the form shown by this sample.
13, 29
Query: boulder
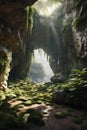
58, 78
60, 96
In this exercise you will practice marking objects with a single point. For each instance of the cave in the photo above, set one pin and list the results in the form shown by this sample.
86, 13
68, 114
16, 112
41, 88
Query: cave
55, 33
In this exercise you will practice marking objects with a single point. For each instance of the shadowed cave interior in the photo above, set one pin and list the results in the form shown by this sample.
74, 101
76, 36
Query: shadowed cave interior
43, 65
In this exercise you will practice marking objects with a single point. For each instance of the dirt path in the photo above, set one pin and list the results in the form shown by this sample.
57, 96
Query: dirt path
51, 122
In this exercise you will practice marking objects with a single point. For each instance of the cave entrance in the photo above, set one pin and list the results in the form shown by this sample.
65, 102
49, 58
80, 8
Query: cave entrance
40, 71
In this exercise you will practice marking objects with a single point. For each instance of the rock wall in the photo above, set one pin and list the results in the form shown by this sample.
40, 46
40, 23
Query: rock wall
73, 32
61, 39
13, 18
5, 60
80, 31
65, 37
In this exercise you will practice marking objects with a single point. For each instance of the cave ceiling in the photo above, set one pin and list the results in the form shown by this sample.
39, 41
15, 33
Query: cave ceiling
13, 19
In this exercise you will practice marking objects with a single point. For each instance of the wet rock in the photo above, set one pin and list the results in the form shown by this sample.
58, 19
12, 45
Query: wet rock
58, 78
60, 96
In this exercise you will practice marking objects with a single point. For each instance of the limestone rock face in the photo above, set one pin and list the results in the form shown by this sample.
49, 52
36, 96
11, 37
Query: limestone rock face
5, 60
67, 50
73, 32
13, 15
60, 39
13, 21
79, 29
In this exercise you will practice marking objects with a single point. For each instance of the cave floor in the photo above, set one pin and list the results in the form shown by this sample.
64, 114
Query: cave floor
51, 122
23, 96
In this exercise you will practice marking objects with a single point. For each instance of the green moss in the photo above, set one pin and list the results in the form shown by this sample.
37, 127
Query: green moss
77, 87
2, 95
27, 103
61, 115
79, 22
29, 19
7, 120
78, 120
29, 93
3, 64
35, 117
20, 105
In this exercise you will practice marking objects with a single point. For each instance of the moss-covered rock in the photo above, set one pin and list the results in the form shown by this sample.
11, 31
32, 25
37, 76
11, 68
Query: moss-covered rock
35, 117
76, 88
61, 115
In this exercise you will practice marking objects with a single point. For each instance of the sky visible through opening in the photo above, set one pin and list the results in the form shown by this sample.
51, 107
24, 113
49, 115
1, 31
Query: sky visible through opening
40, 68
46, 7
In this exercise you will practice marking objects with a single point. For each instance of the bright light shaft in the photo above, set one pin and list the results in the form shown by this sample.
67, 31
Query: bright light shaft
46, 9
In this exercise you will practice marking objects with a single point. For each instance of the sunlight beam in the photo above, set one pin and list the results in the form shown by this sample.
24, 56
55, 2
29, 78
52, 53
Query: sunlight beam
44, 8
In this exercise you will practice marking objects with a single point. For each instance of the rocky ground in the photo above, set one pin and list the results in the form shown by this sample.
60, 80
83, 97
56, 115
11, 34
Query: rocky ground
29, 106
57, 117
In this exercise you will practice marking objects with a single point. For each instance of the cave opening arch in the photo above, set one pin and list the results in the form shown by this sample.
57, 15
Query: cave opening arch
40, 70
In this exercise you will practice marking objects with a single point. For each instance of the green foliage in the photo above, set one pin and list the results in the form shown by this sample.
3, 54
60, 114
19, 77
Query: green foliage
77, 87
61, 115
35, 117
78, 120
79, 80
7, 120
31, 93
28, 92
2, 95
29, 19
3, 64
79, 22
